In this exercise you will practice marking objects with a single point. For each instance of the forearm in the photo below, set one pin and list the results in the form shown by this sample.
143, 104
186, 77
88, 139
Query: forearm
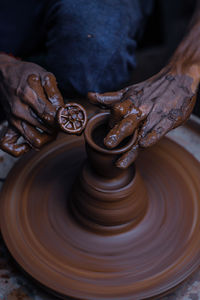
186, 59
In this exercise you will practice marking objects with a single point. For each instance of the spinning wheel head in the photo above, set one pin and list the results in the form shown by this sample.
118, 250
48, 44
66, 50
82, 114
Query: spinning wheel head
66, 255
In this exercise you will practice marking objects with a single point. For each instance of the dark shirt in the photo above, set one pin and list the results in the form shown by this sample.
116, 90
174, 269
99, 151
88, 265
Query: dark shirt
89, 43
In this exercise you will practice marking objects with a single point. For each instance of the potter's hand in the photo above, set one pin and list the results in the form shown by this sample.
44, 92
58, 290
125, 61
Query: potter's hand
158, 104
30, 98
152, 107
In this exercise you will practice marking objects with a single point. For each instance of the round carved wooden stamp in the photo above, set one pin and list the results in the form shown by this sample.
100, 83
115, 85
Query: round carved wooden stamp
72, 118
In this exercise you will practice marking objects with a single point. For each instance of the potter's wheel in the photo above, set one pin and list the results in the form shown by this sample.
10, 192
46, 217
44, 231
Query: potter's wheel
152, 258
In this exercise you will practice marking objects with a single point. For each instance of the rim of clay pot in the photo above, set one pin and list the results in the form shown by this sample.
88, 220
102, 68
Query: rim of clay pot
93, 123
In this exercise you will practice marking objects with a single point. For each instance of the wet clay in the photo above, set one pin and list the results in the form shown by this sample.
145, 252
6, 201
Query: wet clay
72, 118
70, 258
105, 198
30, 98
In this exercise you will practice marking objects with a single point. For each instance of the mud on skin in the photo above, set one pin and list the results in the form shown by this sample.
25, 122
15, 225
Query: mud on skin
154, 107
158, 104
30, 98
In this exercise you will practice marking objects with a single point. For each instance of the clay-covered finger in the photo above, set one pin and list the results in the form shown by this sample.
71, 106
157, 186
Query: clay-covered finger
120, 109
156, 133
52, 91
34, 95
128, 158
121, 130
35, 137
106, 99
162, 110
9, 143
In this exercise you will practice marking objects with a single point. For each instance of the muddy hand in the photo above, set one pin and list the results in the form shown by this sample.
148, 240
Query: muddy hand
154, 107
30, 98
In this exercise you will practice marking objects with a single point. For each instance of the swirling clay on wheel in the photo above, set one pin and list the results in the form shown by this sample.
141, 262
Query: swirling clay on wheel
88, 230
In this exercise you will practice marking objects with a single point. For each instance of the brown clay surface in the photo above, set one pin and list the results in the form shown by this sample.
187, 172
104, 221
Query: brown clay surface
155, 256
106, 198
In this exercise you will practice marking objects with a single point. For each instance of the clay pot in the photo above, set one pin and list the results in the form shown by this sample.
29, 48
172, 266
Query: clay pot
102, 159
105, 198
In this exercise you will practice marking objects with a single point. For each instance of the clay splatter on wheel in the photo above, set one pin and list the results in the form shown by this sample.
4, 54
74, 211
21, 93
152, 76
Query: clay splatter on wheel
72, 118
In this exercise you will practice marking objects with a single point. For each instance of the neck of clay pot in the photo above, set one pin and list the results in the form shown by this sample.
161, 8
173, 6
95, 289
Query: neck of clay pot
101, 159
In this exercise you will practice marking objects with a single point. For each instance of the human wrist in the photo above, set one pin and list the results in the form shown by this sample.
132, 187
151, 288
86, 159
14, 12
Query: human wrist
194, 72
188, 70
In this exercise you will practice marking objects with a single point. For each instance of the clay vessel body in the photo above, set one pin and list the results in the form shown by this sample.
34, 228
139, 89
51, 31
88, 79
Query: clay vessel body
105, 198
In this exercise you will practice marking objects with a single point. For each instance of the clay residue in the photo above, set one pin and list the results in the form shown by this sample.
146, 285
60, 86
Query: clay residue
162, 246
